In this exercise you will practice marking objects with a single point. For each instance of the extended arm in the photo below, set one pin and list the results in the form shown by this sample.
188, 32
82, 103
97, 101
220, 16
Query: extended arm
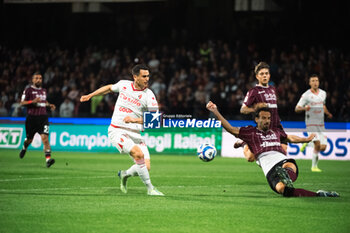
299, 109
129, 119
27, 102
52, 106
229, 128
329, 115
297, 139
101, 91
246, 110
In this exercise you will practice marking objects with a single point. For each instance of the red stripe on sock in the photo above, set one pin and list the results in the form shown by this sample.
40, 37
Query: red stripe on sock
140, 161
48, 154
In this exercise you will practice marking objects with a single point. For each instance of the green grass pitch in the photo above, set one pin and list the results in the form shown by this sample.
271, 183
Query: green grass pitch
80, 193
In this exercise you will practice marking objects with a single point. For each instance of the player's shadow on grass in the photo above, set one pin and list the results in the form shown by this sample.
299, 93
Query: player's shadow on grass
73, 169
111, 194
204, 197
104, 192
55, 194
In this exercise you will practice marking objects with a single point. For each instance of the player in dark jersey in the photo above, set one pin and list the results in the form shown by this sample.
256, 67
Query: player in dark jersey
262, 95
265, 145
37, 121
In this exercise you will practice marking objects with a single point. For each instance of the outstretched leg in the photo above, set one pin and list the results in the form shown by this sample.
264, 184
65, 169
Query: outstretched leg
285, 186
132, 171
142, 171
287, 174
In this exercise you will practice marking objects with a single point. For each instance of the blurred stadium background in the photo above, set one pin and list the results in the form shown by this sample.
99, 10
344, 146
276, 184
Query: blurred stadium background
198, 50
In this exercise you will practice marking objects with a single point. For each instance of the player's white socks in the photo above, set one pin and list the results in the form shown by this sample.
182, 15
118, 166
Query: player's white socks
132, 171
144, 175
314, 159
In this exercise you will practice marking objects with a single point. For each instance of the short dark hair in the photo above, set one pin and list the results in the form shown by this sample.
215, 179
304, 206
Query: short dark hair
314, 76
136, 69
261, 65
265, 109
36, 73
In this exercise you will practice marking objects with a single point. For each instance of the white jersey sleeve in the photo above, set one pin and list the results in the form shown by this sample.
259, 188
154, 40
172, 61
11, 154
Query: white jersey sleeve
116, 87
303, 100
23, 98
152, 104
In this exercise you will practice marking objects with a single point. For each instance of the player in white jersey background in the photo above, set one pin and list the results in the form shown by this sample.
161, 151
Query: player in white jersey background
313, 103
127, 122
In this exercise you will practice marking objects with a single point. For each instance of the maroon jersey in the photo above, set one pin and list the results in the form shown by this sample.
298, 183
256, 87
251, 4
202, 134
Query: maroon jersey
260, 141
31, 93
260, 94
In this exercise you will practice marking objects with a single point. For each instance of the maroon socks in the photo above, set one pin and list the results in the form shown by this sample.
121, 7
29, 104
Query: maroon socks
291, 173
303, 193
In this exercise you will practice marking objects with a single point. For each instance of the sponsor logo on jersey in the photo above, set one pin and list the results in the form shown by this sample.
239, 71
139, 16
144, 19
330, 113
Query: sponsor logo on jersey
270, 97
272, 105
127, 110
268, 144
316, 103
268, 137
130, 100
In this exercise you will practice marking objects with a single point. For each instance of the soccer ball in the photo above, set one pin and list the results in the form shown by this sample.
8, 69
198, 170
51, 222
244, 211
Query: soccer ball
206, 152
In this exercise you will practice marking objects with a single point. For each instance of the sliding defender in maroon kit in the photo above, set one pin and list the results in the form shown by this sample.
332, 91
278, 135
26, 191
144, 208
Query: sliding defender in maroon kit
264, 143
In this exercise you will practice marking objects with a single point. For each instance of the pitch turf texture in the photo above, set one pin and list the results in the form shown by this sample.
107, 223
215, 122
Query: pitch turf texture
80, 193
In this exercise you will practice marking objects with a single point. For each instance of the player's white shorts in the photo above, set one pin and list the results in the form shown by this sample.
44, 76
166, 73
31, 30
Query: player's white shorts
267, 160
319, 131
124, 140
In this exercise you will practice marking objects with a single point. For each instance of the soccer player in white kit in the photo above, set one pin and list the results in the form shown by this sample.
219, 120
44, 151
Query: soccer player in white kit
127, 122
313, 102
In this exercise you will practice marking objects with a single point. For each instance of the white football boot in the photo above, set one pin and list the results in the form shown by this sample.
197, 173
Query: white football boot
123, 179
154, 192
